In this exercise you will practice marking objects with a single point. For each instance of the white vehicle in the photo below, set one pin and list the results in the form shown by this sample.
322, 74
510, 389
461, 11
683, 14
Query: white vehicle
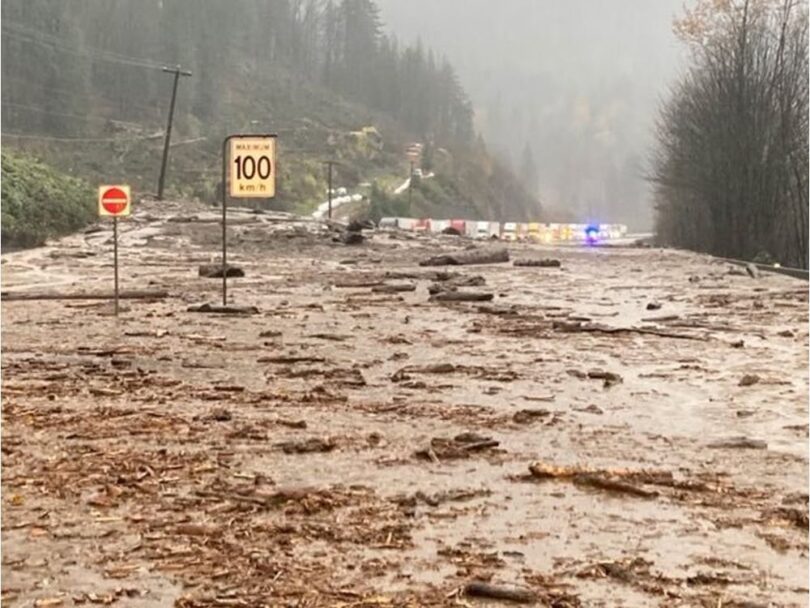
417, 172
509, 231
388, 223
482, 230
470, 228
342, 192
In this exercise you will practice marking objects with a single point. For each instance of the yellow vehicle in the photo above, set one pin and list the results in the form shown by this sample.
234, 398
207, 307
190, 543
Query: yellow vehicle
535, 231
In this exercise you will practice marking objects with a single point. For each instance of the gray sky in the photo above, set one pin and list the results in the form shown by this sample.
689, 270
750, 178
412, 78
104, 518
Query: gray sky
579, 81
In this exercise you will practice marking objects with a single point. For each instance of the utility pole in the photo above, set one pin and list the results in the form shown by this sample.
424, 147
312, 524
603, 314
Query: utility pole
162, 179
329, 164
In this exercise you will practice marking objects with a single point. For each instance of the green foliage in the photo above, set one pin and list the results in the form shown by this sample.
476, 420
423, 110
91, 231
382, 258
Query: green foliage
385, 204
39, 203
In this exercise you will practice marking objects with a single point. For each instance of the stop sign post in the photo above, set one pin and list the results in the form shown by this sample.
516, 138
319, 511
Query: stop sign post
114, 202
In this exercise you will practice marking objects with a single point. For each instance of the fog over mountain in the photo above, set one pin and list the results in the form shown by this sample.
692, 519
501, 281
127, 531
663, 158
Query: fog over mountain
565, 91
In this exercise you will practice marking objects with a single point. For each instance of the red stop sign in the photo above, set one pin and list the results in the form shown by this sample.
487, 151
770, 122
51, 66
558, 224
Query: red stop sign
115, 201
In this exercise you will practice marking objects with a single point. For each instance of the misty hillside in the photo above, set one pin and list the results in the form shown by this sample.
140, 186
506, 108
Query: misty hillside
565, 92
85, 90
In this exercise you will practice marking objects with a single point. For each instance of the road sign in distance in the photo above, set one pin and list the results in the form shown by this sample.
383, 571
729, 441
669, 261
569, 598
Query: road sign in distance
253, 167
114, 201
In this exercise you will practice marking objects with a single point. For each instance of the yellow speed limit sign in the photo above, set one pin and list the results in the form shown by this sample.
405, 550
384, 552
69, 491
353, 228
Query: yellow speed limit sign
253, 166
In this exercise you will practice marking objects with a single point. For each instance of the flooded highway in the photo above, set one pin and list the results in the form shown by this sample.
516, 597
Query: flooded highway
626, 429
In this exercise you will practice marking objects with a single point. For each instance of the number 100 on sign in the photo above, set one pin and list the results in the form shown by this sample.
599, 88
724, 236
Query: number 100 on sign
253, 167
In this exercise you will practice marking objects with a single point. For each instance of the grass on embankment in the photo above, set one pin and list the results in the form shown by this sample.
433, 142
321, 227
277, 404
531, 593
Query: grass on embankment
39, 202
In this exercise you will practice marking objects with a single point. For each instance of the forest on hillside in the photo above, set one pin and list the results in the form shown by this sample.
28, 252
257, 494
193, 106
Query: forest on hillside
108, 55
731, 164
85, 91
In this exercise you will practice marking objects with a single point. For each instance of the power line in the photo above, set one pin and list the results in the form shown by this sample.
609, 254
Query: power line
58, 41
81, 139
63, 114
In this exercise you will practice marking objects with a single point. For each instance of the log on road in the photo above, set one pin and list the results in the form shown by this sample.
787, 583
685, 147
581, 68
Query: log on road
544, 263
11, 296
214, 271
519, 595
227, 310
462, 296
465, 258
392, 288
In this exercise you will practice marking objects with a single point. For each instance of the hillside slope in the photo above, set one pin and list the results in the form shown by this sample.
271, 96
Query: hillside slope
87, 94
40, 203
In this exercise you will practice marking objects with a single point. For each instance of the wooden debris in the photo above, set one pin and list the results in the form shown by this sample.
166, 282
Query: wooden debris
611, 481
529, 415
402, 287
463, 258
570, 328
214, 271
518, 595
307, 446
15, 296
608, 378
613, 485
227, 310
543, 263
461, 446
740, 443
290, 359
462, 296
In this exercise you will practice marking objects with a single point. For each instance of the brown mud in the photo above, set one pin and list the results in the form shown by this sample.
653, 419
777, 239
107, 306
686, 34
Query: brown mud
355, 446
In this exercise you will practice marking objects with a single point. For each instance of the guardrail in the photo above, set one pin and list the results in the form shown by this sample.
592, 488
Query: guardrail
796, 273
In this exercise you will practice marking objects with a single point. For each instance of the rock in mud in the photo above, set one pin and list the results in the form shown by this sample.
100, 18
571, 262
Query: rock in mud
749, 380
349, 238
357, 225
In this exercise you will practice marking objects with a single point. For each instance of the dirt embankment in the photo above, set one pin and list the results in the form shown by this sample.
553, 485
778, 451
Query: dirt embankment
629, 428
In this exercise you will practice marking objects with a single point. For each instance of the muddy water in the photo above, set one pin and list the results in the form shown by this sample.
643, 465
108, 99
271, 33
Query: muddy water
163, 420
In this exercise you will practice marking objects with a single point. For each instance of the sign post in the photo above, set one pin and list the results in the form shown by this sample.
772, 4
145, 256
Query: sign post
115, 202
248, 171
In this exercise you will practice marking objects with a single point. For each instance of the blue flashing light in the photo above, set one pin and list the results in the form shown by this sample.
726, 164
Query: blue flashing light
591, 235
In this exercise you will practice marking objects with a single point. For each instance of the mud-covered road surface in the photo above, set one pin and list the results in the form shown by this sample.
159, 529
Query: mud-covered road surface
629, 429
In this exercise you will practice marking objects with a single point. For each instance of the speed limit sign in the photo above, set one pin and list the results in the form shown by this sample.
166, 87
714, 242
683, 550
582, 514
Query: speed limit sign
252, 163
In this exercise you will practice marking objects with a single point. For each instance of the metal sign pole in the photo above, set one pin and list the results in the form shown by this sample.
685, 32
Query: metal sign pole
224, 221
246, 182
115, 260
